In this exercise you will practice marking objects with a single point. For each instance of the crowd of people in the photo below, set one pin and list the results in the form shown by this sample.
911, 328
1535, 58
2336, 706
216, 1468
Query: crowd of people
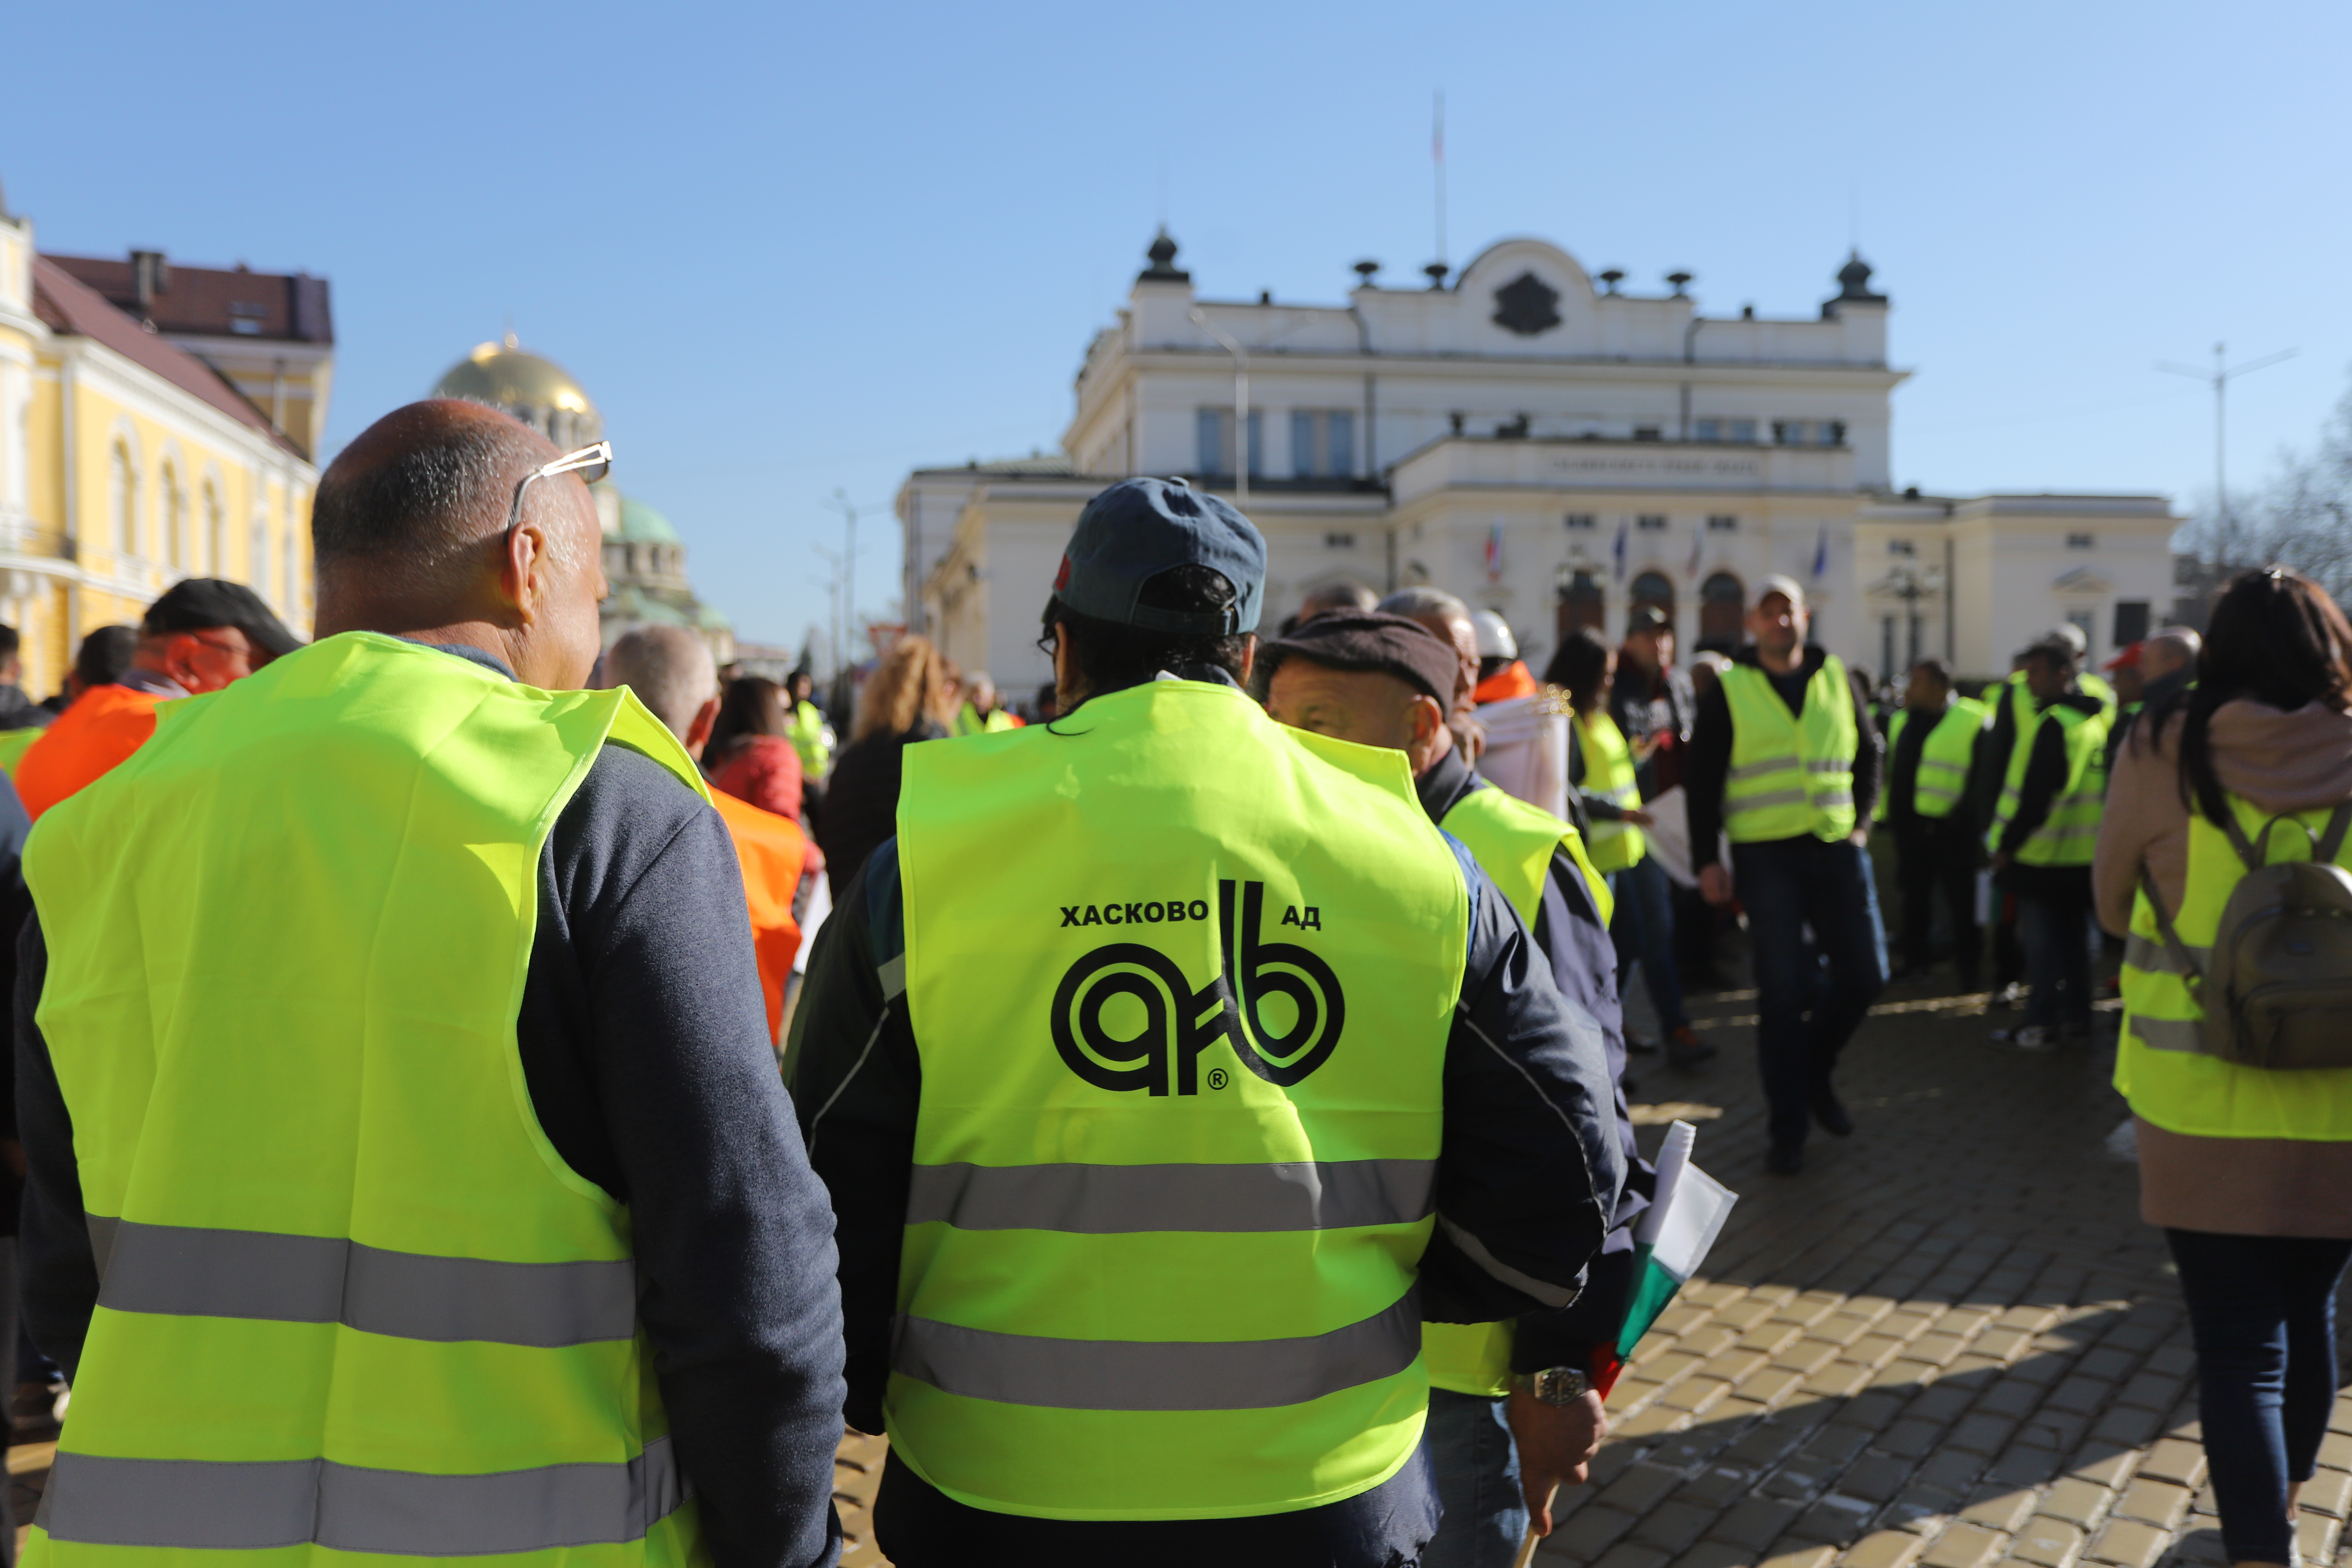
479, 1091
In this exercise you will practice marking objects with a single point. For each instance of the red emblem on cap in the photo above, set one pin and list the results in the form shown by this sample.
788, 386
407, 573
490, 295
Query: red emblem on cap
1062, 578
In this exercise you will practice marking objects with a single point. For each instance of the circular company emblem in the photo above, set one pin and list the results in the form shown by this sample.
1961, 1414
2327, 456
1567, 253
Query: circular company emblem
1089, 1047
1216, 1078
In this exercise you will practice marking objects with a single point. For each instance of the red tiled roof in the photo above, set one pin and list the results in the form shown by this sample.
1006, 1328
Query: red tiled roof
212, 302
69, 305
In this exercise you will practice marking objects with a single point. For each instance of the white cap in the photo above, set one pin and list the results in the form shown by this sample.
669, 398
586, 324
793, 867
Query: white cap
1494, 635
2068, 632
1788, 588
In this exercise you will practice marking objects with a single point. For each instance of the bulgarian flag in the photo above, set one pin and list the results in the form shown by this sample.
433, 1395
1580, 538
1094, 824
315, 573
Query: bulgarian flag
1676, 1231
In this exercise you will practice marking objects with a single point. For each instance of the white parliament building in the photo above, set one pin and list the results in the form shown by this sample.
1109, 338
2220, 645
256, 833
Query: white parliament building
1547, 446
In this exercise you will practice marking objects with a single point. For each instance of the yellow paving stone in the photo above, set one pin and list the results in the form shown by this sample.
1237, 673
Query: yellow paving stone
2129, 1544
2328, 1491
2161, 1503
1887, 1549
2052, 1543
1964, 1545
2081, 1501
2172, 1460
2001, 1510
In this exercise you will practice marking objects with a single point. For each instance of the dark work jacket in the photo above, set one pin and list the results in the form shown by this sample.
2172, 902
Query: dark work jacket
645, 1048
1530, 1169
1575, 941
1903, 781
2045, 773
18, 711
1643, 705
1710, 750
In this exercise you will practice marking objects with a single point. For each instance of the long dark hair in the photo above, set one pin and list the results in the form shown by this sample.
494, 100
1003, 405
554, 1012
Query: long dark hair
1578, 667
750, 705
2276, 638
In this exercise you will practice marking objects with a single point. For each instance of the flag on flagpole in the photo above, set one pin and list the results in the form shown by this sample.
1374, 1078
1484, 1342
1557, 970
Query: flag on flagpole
1671, 1242
1618, 551
1495, 550
1822, 552
1699, 543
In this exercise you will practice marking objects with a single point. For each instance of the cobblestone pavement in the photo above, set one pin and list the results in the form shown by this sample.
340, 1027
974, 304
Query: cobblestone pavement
1949, 1343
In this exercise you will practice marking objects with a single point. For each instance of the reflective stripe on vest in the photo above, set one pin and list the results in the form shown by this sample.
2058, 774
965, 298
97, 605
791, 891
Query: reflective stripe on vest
1944, 760
2161, 1064
316, 1185
2069, 833
1790, 774
90, 739
1170, 1181
1514, 842
1609, 773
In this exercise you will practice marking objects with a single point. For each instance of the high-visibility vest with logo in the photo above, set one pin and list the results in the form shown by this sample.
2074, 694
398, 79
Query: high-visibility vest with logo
1790, 774
771, 852
2162, 1065
104, 725
350, 1297
1944, 759
1513, 843
2069, 833
14, 744
1609, 773
812, 738
1181, 1111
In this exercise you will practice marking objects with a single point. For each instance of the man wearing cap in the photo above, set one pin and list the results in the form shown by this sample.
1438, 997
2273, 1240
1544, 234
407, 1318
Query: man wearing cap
1501, 673
1151, 1149
203, 634
1381, 681
389, 1040
2044, 829
1785, 763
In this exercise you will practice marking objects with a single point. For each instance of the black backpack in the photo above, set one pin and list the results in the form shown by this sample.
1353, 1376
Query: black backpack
2277, 990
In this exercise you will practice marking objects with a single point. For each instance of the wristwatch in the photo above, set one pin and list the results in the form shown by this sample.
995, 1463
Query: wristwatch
1557, 1385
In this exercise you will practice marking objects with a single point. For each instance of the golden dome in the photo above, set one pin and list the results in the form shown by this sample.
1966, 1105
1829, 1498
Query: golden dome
536, 390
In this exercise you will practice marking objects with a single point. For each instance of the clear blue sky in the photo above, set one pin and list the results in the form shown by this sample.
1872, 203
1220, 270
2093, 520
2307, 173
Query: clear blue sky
791, 248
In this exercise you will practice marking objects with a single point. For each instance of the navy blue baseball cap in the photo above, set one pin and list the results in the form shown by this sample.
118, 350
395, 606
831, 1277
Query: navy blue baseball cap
1138, 529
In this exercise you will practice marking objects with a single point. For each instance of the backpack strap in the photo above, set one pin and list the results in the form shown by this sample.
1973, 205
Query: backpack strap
2248, 854
2192, 977
2331, 838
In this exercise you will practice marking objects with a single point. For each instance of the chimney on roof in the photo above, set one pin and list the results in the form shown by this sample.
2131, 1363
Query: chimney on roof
150, 275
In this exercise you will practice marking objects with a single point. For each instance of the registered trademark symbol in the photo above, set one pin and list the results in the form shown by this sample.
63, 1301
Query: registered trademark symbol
1216, 1078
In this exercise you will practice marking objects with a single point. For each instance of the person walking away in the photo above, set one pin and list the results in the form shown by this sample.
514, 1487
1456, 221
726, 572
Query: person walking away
101, 660
2041, 839
1339, 593
981, 713
750, 754
1602, 767
18, 711
1785, 763
904, 700
2248, 1169
670, 671
200, 635
1501, 673
1234, 972
388, 1031
809, 733
1495, 1389
1931, 756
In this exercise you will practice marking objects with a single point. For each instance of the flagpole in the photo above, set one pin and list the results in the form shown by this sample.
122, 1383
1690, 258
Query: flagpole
1437, 156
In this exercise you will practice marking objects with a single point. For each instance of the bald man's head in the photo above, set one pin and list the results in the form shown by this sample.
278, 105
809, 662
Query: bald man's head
671, 672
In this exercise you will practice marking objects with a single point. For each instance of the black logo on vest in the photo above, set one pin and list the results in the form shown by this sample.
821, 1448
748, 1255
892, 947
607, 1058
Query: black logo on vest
1180, 1023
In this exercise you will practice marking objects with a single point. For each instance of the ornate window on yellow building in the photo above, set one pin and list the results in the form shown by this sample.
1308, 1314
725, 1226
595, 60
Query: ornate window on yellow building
216, 558
122, 500
172, 516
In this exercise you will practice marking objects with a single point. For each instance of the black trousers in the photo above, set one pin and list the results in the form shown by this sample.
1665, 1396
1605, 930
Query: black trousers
1933, 860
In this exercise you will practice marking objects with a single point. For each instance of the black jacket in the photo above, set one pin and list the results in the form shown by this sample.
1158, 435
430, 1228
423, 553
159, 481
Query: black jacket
644, 1045
1643, 706
1710, 750
861, 801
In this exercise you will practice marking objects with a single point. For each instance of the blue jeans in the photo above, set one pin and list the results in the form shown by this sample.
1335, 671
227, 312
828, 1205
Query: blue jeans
1477, 1483
1644, 929
2263, 1311
1810, 996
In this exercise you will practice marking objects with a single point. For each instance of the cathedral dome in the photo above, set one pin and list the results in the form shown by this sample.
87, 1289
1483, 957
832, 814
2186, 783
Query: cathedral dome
536, 390
641, 524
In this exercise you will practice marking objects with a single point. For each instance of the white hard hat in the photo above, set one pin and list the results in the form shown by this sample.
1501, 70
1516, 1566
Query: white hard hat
1493, 633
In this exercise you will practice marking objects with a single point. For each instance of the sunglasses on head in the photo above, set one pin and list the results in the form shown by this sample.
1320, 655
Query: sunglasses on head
591, 463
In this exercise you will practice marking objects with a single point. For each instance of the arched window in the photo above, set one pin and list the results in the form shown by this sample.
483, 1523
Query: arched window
216, 533
1581, 604
1652, 589
256, 554
173, 518
290, 591
122, 501
1722, 606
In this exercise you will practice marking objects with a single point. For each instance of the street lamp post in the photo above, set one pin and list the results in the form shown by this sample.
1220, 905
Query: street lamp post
1241, 404
2219, 378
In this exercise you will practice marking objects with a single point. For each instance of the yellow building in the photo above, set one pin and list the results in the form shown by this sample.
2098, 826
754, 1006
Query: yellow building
130, 457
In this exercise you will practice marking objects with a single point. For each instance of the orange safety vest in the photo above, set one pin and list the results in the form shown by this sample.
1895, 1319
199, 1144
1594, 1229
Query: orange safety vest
89, 740
1511, 681
772, 850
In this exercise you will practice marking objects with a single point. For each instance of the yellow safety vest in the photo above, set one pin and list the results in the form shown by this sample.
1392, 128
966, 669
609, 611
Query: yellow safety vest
1944, 759
1513, 843
1609, 773
1791, 775
1181, 1111
14, 744
351, 1298
2162, 1065
812, 738
2070, 834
